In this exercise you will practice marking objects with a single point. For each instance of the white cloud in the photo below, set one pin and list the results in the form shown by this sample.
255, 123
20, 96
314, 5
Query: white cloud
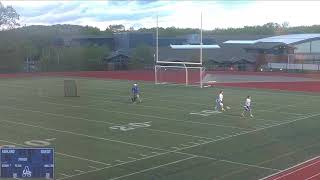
216, 14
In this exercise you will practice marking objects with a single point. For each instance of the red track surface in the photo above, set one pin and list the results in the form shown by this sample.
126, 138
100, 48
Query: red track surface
305, 86
148, 75
309, 170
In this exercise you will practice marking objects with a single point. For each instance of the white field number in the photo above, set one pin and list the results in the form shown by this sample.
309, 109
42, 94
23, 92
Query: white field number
35, 143
205, 112
131, 126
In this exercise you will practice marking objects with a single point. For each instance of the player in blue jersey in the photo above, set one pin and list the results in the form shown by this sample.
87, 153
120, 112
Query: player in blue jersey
135, 90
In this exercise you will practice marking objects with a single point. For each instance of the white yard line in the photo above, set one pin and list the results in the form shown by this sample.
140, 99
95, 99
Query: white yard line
175, 151
313, 176
92, 167
157, 107
59, 153
156, 167
96, 121
142, 115
99, 138
132, 158
299, 169
78, 170
65, 175
83, 135
292, 167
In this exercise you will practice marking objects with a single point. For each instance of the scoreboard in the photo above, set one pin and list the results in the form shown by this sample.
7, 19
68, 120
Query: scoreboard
27, 163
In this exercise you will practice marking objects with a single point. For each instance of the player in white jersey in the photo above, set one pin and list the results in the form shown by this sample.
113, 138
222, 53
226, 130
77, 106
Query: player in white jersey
219, 102
247, 106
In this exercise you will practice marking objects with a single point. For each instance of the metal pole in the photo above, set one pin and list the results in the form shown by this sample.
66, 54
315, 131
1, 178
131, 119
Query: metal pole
155, 74
187, 76
201, 83
201, 41
157, 42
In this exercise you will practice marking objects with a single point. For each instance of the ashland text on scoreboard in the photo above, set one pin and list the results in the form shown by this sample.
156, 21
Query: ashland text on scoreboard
27, 163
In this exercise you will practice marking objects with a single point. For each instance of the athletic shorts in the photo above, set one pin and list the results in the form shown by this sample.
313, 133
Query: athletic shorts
247, 108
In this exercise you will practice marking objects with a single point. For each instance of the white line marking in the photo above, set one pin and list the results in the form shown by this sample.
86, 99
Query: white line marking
84, 135
184, 145
132, 158
182, 134
292, 167
141, 115
65, 175
77, 170
155, 152
317, 162
313, 176
135, 114
104, 122
194, 143
59, 153
231, 136
23, 85
175, 148
156, 167
92, 167
84, 159
119, 161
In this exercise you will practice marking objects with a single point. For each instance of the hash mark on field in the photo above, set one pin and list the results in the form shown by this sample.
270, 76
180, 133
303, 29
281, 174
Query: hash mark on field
156, 167
132, 158
155, 152
136, 114
119, 161
92, 167
200, 140
64, 175
184, 145
96, 121
77, 170
175, 148
194, 143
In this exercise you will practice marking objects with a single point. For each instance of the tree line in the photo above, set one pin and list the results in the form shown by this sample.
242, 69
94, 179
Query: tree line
44, 43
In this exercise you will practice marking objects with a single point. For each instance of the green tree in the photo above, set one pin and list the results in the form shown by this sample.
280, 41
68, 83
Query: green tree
116, 28
142, 57
8, 17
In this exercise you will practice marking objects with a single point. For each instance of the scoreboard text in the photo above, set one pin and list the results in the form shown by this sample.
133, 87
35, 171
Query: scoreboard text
27, 163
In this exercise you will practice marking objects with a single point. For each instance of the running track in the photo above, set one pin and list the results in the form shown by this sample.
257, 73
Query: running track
308, 170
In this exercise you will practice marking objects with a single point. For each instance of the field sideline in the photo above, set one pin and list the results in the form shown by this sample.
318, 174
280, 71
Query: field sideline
101, 135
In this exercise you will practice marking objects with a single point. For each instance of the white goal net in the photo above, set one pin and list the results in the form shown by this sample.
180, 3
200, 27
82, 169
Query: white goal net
190, 76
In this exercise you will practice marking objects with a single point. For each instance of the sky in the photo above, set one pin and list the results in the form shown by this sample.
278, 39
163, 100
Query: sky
179, 13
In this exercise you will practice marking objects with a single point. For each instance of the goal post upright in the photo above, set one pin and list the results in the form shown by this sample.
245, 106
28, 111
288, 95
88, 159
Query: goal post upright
201, 40
192, 65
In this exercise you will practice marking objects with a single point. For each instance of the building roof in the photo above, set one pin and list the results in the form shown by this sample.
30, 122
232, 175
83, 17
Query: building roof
291, 38
288, 39
227, 53
189, 46
265, 45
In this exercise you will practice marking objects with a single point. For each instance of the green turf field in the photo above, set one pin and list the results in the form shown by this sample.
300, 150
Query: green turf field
101, 135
